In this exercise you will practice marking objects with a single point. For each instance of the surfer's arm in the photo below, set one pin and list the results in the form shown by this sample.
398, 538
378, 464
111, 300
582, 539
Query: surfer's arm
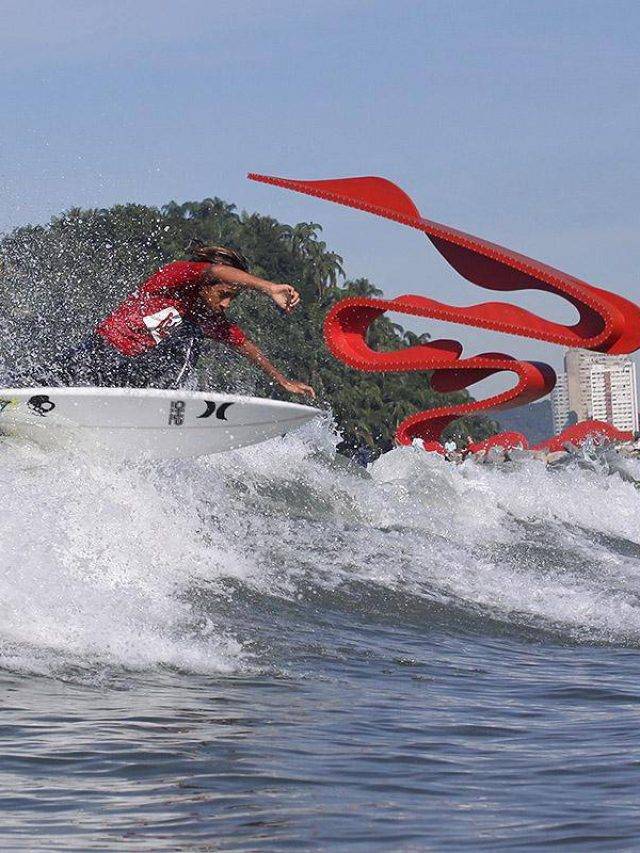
284, 295
255, 354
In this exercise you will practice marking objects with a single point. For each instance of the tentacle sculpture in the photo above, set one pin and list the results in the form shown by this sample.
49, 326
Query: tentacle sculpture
607, 323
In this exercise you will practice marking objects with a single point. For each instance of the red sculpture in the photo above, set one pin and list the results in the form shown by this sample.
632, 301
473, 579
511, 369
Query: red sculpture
607, 323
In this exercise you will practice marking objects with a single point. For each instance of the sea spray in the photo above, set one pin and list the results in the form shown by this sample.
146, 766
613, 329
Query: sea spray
194, 564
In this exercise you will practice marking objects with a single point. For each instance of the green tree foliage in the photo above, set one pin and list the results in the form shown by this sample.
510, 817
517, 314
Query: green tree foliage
58, 280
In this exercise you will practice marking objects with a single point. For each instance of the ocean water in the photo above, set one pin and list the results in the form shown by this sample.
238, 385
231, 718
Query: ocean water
275, 649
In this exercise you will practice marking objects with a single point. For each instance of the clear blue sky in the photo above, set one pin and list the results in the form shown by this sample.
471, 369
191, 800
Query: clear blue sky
518, 121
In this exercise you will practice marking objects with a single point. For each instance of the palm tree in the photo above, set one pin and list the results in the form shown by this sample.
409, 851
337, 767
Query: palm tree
302, 234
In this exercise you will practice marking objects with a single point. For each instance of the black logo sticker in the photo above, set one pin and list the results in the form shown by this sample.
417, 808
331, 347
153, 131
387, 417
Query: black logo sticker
176, 413
41, 405
211, 407
221, 411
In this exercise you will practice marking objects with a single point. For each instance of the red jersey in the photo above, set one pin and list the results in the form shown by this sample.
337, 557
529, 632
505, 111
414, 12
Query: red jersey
159, 305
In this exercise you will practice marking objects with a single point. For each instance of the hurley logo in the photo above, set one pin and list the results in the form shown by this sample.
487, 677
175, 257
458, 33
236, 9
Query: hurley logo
220, 411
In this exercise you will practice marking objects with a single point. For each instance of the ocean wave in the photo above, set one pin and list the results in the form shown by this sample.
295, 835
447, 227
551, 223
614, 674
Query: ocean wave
207, 565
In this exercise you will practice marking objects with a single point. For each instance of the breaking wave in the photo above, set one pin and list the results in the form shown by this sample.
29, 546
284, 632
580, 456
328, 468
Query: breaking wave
228, 564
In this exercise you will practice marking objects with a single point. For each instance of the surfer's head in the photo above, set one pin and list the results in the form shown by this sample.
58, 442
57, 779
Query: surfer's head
220, 296
200, 251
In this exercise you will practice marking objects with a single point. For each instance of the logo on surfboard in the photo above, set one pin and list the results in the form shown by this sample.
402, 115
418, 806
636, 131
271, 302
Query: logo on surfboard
220, 411
40, 404
176, 412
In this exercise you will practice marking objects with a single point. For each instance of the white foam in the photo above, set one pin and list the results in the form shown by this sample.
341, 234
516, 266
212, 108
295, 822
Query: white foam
95, 560
100, 562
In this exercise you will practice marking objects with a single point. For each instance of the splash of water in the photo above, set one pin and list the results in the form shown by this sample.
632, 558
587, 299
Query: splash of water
110, 566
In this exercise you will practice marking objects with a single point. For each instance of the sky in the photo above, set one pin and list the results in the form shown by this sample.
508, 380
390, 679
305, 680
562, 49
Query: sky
515, 120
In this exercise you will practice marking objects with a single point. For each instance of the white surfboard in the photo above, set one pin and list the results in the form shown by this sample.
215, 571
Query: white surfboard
146, 421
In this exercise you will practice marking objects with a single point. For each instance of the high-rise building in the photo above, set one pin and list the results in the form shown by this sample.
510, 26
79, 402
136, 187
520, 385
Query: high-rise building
577, 365
613, 394
560, 404
597, 386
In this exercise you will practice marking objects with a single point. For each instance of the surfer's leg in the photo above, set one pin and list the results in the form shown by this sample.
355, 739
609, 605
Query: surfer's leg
91, 362
182, 369
112, 368
67, 367
168, 365
94, 362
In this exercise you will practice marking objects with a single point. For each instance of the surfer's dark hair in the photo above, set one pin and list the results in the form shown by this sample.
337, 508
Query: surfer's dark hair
200, 251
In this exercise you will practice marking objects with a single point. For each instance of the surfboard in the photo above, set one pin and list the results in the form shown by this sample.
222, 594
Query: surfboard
134, 422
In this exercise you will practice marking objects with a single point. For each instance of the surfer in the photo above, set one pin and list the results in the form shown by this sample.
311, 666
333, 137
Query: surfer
169, 314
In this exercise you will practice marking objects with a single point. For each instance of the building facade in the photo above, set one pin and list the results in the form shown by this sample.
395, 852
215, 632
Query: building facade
613, 394
560, 407
598, 387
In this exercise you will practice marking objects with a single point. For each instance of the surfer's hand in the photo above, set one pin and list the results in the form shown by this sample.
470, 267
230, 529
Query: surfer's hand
298, 388
285, 296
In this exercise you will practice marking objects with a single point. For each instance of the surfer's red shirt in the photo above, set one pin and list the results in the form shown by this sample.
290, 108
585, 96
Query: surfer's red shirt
161, 304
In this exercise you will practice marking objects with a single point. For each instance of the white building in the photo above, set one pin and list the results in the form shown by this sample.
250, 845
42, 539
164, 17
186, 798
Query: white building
597, 386
560, 404
613, 394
